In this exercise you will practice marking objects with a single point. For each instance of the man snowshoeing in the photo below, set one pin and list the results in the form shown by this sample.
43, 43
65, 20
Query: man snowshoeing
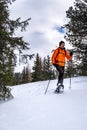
58, 60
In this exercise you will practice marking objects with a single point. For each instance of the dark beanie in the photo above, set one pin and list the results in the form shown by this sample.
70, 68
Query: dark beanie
61, 43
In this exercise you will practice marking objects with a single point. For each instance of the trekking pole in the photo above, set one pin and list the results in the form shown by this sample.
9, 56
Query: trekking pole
70, 83
47, 86
70, 74
49, 76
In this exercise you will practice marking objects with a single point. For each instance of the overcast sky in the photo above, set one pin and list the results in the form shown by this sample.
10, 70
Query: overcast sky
47, 17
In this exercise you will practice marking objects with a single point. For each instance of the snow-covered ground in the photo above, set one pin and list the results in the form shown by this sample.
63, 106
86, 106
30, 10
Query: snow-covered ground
31, 109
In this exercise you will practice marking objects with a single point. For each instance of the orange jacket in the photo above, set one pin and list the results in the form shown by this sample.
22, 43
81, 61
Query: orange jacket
59, 56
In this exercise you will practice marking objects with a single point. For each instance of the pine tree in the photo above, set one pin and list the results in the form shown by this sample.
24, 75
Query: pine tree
37, 74
44, 64
42, 69
26, 75
77, 32
48, 73
17, 78
24, 80
71, 69
8, 43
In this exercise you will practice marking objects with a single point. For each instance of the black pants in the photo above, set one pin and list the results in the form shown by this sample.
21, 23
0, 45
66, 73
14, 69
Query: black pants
60, 69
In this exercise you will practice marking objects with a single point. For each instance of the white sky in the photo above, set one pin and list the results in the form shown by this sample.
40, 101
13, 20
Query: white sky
43, 32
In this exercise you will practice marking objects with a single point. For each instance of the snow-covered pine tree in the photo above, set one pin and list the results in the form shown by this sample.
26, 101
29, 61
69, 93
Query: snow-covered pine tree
8, 43
77, 32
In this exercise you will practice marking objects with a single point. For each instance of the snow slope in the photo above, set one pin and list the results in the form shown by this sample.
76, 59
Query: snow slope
31, 109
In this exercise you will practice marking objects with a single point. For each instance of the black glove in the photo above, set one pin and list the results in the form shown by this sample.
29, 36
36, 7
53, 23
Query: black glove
55, 65
71, 53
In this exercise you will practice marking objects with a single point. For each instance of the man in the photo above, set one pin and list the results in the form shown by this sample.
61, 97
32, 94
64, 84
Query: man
58, 60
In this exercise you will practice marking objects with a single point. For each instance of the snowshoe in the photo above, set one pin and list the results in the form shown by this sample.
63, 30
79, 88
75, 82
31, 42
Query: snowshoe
59, 89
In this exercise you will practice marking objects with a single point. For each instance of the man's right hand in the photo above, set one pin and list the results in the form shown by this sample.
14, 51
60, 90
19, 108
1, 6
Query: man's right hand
71, 53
